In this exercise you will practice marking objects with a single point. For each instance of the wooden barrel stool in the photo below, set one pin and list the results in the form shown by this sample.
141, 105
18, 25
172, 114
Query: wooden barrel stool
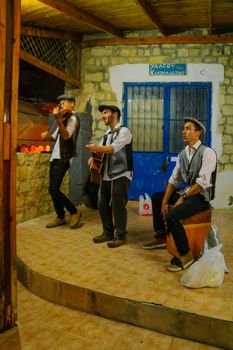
196, 228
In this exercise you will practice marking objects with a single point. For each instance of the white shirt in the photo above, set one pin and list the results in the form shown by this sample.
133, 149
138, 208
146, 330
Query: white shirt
70, 127
123, 138
208, 166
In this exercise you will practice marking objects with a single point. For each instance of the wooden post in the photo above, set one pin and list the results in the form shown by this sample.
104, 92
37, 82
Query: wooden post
9, 72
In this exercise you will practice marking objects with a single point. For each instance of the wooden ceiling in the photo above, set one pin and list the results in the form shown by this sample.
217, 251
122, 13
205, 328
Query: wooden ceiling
78, 18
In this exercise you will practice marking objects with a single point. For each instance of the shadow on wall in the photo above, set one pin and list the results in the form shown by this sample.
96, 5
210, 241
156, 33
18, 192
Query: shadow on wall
79, 170
230, 200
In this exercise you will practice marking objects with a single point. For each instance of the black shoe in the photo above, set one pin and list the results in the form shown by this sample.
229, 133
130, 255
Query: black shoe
182, 263
116, 242
104, 237
174, 260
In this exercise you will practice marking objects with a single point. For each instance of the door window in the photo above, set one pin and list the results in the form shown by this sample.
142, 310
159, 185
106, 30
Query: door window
145, 116
185, 101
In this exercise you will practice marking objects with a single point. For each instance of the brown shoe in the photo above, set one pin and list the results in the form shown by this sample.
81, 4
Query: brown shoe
56, 222
104, 237
181, 263
159, 241
75, 219
116, 243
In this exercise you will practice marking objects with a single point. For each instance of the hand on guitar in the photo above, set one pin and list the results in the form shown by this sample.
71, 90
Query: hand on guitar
91, 147
96, 165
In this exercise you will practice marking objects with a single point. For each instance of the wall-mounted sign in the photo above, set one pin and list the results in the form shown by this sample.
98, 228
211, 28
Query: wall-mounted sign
167, 69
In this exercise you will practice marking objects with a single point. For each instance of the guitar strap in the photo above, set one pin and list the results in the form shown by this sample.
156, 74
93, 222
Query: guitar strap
105, 139
111, 132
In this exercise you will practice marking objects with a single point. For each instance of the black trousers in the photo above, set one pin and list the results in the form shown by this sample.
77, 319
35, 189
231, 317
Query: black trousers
112, 206
58, 169
189, 207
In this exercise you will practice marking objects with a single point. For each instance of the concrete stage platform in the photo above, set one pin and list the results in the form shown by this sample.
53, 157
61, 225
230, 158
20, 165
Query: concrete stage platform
127, 284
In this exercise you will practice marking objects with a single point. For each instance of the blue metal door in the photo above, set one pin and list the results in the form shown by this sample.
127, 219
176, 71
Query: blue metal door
155, 112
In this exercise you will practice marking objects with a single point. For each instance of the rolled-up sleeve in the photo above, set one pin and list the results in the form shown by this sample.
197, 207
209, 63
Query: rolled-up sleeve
71, 125
124, 138
175, 178
208, 167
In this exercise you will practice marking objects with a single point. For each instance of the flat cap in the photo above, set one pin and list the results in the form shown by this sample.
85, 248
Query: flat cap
111, 107
197, 122
66, 97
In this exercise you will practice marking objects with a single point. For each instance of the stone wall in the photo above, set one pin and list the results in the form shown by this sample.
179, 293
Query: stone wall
95, 82
32, 183
95, 78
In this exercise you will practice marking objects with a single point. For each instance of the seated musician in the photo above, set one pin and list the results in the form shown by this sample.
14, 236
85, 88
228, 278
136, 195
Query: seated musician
117, 145
196, 167
63, 151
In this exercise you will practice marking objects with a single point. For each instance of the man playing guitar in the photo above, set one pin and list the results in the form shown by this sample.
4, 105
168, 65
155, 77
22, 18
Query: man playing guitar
117, 145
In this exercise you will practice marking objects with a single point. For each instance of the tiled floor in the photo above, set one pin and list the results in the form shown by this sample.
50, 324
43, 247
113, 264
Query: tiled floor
128, 272
45, 326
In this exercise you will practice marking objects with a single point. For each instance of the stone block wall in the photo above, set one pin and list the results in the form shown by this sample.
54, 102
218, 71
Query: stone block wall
32, 183
95, 79
97, 61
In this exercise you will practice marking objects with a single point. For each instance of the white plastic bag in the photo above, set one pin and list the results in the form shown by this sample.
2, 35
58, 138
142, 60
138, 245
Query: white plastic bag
208, 271
145, 205
213, 239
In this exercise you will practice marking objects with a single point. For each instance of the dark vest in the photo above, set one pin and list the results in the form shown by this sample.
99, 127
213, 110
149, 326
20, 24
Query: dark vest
121, 161
190, 171
68, 147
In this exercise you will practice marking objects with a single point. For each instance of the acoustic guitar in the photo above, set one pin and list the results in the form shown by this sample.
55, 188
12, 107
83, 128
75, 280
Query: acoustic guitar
97, 167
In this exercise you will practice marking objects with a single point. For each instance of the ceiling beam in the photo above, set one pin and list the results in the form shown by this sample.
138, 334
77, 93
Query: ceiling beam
79, 15
197, 39
150, 12
35, 31
210, 16
27, 57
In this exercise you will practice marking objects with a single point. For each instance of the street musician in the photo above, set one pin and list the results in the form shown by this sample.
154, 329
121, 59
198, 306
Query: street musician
63, 150
117, 176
